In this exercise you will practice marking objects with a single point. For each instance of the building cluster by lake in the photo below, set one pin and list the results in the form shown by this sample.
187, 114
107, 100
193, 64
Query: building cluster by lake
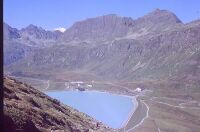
80, 85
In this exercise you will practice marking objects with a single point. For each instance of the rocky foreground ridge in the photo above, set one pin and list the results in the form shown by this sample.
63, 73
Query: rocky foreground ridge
27, 109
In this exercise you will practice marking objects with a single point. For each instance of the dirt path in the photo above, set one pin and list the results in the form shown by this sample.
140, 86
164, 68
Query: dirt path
180, 105
136, 117
141, 119
47, 85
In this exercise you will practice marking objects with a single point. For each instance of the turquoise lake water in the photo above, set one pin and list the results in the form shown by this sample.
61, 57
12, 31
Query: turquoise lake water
110, 109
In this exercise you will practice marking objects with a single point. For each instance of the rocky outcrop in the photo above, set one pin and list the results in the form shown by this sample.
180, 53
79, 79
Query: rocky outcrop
27, 109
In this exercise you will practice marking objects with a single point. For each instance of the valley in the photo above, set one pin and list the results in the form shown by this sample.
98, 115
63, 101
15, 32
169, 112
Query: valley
157, 53
154, 110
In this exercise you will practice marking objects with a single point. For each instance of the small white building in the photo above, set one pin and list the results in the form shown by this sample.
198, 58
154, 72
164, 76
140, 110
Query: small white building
138, 89
89, 85
76, 82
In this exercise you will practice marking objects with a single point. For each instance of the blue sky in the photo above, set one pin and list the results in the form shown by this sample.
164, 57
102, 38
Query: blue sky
51, 14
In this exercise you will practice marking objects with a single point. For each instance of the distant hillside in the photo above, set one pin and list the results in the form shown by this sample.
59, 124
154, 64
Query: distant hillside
157, 45
27, 109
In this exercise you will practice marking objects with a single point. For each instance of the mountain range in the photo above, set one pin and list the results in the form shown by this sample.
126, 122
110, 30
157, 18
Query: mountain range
157, 52
157, 45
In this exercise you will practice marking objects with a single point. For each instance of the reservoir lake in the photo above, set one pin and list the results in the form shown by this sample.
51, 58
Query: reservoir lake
111, 109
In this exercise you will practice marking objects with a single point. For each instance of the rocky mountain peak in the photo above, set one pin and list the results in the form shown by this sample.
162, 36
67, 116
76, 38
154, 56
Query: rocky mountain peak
31, 26
9, 32
110, 15
34, 32
32, 29
155, 22
163, 15
99, 29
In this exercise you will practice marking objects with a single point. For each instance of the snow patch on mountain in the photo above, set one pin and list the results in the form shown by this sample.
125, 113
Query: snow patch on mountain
60, 29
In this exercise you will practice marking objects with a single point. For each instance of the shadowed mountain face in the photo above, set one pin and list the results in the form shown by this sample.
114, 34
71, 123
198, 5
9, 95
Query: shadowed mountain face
157, 45
27, 109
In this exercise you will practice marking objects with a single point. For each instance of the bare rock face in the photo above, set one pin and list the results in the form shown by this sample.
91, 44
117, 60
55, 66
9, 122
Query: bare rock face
158, 16
27, 109
98, 29
35, 32
13, 49
109, 27
9, 32
20, 43
155, 22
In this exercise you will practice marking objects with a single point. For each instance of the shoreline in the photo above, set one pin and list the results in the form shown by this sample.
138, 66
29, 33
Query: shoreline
133, 98
134, 101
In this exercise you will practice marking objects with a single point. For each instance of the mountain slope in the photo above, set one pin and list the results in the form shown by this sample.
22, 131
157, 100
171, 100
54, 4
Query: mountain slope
156, 56
157, 45
9, 32
38, 36
27, 109
109, 27
98, 29
20, 43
